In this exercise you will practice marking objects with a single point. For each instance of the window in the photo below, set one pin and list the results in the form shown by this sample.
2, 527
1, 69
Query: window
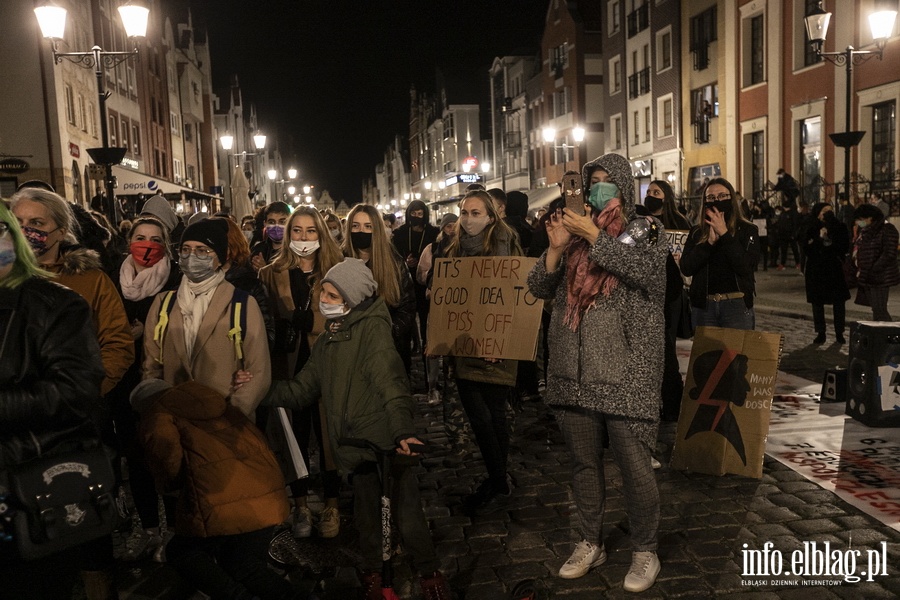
448, 127
70, 105
884, 125
136, 139
176, 170
637, 128
562, 102
125, 130
810, 156
703, 33
92, 117
113, 129
188, 132
175, 122
129, 76
666, 117
559, 60
809, 51
82, 113
615, 17
615, 70
758, 160
664, 49
617, 132
704, 107
191, 174
647, 123
638, 20
754, 51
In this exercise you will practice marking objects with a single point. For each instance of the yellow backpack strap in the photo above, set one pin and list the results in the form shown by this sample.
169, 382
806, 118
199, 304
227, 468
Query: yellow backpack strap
238, 321
159, 332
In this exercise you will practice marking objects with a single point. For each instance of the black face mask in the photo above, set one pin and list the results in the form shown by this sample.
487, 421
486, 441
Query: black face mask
720, 205
653, 204
415, 221
362, 240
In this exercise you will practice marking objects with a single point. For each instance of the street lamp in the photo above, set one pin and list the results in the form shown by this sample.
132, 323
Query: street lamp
52, 21
549, 135
882, 25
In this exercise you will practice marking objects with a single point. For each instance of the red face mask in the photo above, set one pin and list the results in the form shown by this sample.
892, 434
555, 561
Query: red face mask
147, 253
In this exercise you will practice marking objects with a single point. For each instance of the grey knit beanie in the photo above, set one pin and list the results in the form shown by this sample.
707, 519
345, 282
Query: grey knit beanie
353, 280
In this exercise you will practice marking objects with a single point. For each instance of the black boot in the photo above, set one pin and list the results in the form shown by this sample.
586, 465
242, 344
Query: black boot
839, 337
820, 338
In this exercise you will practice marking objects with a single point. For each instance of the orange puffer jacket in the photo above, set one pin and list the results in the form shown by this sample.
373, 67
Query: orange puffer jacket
201, 446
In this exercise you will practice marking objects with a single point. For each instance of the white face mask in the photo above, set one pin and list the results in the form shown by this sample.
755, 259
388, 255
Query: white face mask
304, 248
248, 235
334, 233
333, 311
474, 225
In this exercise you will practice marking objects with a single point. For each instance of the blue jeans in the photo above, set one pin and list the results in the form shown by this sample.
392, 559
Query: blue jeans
733, 314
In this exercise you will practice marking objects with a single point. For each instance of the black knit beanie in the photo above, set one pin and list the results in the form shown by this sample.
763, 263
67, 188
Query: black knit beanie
212, 232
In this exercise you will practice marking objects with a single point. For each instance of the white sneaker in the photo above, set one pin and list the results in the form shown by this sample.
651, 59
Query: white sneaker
655, 463
434, 398
302, 527
643, 571
585, 557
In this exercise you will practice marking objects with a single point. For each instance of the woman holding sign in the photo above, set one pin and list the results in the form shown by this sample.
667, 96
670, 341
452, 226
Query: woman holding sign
485, 384
606, 357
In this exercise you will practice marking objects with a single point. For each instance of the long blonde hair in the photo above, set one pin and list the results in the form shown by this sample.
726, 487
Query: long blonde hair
328, 254
384, 262
497, 232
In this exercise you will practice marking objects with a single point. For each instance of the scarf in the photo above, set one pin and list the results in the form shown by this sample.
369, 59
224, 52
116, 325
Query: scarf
193, 300
139, 285
471, 245
585, 278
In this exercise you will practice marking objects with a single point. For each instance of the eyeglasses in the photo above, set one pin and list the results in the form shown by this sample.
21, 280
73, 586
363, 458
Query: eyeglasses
4, 228
198, 252
722, 196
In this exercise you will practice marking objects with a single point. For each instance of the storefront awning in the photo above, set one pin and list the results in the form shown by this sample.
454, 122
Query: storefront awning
134, 182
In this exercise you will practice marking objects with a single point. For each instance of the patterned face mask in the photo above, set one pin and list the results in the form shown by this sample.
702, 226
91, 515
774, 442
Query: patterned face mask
38, 239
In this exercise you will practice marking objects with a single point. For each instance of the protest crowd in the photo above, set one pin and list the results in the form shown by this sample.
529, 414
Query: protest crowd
201, 363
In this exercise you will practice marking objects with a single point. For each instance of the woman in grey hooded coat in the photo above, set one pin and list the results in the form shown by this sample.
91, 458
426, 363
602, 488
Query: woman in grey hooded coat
606, 357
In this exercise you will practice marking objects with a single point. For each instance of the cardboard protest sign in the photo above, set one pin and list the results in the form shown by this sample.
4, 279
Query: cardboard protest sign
481, 307
727, 402
676, 239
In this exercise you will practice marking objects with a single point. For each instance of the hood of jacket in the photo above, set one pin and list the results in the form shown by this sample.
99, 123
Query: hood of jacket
620, 173
75, 260
418, 205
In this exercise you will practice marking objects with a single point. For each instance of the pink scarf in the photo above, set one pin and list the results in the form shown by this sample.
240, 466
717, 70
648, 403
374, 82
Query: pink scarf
586, 279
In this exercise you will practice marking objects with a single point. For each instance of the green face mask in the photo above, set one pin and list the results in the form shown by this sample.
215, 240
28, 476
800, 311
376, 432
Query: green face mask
601, 193
861, 223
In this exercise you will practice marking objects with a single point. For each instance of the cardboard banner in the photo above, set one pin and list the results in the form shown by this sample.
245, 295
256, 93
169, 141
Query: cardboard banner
481, 307
727, 401
676, 239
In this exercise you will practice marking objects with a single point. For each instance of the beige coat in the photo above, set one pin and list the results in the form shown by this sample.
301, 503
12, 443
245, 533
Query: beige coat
214, 359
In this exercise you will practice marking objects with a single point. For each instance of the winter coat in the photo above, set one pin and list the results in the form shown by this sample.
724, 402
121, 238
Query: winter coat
741, 251
875, 255
403, 316
50, 369
825, 283
613, 362
786, 226
206, 449
214, 358
357, 372
278, 285
80, 269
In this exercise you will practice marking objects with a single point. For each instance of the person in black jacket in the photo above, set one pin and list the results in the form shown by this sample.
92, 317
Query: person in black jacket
827, 242
50, 374
409, 240
720, 254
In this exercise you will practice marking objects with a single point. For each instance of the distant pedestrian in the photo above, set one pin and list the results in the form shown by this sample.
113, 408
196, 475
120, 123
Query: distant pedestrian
719, 255
761, 215
827, 242
875, 257
787, 185
878, 200
787, 226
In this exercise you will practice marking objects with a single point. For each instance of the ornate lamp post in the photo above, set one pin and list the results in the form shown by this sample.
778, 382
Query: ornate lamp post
52, 21
549, 135
881, 24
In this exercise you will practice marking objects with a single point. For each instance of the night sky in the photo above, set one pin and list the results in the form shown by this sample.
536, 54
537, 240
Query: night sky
333, 76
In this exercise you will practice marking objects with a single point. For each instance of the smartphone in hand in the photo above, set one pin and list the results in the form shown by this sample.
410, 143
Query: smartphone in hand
573, 192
